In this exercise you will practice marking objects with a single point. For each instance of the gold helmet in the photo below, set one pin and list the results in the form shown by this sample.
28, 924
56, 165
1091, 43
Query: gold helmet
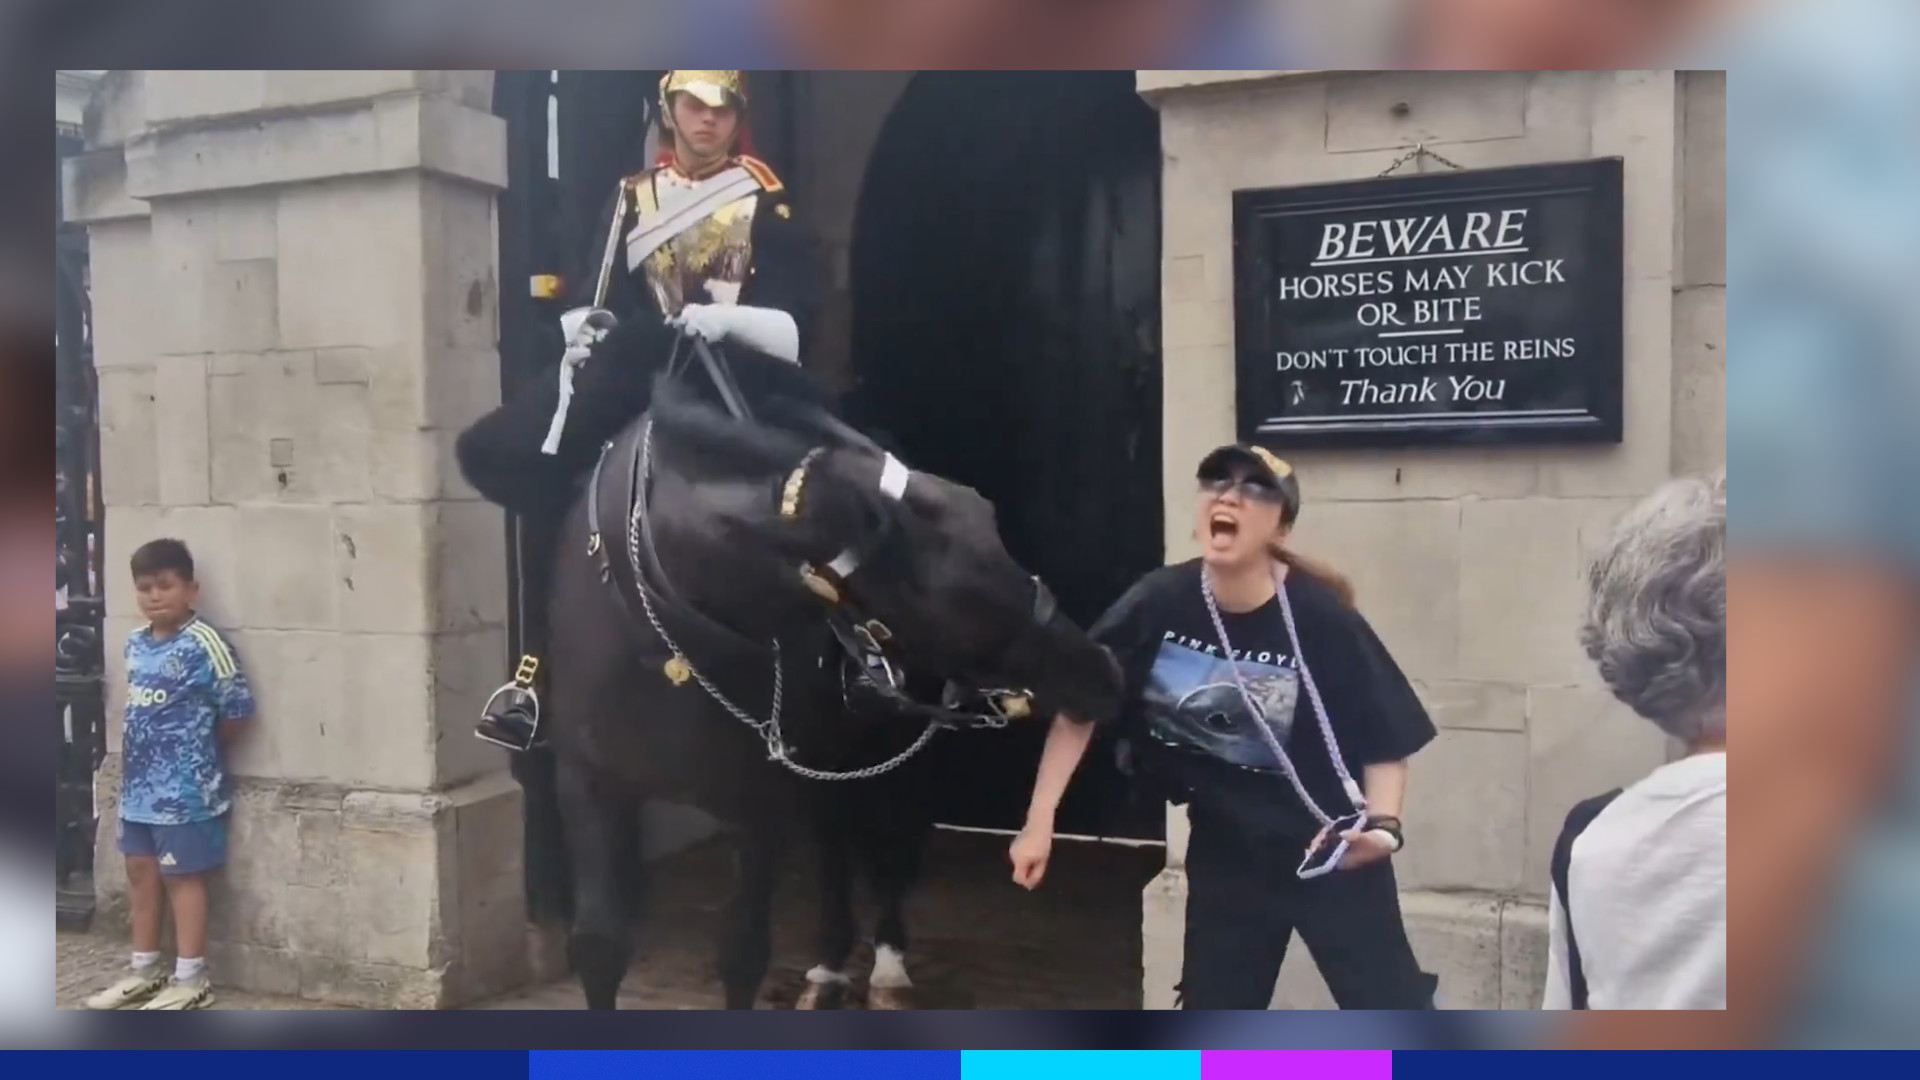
711, 88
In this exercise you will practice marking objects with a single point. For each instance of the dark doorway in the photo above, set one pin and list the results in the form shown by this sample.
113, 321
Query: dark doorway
1006, 299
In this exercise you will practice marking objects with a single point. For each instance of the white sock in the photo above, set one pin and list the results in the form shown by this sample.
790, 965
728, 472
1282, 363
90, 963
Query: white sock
145, 960
184, 968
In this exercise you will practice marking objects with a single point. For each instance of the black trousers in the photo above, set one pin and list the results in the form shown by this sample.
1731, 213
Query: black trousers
1244, 903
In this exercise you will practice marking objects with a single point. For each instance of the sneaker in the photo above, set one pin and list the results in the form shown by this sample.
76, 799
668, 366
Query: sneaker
139, 985
180, 994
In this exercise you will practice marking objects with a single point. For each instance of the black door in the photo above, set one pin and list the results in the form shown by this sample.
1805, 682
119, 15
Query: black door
1006, 287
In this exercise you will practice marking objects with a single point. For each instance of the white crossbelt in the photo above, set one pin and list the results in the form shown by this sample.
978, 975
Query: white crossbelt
690, 206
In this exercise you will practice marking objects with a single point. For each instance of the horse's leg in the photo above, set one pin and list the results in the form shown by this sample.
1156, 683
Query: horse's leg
827, 982
746, 929
896, 835
602, 837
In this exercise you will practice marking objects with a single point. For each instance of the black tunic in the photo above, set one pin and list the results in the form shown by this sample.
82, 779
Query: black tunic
500, 453
1185, 715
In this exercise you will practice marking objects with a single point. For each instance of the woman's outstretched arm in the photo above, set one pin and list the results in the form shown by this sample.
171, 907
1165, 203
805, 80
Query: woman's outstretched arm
1067, 743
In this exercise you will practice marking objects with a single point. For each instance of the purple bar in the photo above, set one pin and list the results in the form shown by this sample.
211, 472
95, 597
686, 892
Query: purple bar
1296, 1065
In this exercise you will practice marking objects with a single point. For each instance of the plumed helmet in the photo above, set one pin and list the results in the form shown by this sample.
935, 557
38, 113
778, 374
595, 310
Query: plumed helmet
711, 88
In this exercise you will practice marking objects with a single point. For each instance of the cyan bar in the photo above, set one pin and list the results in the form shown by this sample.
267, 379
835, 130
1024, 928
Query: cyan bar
1080, 1065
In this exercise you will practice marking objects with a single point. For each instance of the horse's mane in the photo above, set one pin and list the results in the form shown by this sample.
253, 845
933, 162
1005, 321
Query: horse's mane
699, 432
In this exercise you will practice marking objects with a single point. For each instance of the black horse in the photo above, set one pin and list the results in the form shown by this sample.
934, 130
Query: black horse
720, 586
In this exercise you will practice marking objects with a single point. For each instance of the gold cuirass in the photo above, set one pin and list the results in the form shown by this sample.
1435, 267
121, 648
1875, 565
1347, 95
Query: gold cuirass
692, 240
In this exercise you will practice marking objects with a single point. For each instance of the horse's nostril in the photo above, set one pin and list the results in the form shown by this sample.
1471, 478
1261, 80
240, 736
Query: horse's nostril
1219, 721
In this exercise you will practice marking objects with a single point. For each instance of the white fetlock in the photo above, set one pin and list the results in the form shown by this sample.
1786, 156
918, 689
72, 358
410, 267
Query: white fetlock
890, 969
826, 989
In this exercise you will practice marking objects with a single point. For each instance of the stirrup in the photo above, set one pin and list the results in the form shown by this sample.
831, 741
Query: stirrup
513, 708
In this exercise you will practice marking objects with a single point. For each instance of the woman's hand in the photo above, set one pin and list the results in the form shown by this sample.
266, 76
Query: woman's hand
1362, 847
1029, 853
1066, 743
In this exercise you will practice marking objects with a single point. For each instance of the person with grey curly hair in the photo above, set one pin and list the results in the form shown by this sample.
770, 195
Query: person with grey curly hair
1639, 903
1657, 610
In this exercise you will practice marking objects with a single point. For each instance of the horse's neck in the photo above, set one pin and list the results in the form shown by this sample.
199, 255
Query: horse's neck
744, 588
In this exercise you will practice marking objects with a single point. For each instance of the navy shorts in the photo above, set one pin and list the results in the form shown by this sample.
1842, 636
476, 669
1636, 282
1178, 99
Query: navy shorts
193, 848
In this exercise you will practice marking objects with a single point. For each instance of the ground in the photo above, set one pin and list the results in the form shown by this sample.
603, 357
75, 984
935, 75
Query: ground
979, 941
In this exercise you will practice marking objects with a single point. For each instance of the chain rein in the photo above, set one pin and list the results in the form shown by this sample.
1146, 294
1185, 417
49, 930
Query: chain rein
769, 729
1313, 697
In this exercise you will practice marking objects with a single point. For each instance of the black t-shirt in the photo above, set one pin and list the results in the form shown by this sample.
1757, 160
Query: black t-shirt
1190, 726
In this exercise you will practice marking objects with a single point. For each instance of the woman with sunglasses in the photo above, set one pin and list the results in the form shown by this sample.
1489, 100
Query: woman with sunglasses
1257, 695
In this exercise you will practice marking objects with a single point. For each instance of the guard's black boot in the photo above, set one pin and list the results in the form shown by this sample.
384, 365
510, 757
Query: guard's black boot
511, 717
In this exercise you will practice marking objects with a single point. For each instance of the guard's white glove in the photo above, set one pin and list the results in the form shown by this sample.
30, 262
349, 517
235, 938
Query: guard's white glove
583, 328
767, 330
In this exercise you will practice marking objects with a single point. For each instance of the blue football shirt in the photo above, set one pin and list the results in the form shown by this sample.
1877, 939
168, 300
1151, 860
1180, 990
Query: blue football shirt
178, 691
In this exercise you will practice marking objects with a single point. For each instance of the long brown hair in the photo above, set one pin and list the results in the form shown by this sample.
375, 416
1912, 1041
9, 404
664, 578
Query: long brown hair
1317, 569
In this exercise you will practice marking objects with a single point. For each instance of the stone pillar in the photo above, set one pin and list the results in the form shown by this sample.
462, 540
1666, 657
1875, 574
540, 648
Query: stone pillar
295, 308
1468, 562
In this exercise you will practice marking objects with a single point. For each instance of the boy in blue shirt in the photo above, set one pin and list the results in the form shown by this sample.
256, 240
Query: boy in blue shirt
186, 699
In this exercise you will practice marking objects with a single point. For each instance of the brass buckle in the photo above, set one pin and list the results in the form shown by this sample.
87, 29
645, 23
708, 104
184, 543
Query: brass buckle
817, 582
796, 483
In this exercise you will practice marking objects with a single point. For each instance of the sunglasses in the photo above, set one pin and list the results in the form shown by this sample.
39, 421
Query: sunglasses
1250, 488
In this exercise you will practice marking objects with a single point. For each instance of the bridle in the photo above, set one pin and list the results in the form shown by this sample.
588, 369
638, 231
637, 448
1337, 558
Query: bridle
865, 639
867, 663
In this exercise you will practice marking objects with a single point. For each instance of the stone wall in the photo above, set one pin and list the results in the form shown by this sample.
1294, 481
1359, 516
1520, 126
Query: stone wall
1468, 562
840, 117
295, 295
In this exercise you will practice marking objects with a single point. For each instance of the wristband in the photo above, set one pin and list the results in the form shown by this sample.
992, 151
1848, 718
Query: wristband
1391, 827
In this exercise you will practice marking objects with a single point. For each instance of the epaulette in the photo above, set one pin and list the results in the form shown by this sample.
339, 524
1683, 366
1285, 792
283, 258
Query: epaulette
762, 173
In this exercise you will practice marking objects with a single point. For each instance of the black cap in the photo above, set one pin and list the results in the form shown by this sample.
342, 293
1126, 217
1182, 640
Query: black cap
1258, 463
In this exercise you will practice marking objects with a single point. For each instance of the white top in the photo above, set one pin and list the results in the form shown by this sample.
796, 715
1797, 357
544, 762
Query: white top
26, 927
1649, 880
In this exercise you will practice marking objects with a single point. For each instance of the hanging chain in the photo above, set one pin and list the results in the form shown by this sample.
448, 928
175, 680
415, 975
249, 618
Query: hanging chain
769, 729
1419, 151
1313, 696
870, 771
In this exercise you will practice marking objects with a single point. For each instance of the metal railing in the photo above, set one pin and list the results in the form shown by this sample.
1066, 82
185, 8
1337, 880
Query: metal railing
79, 621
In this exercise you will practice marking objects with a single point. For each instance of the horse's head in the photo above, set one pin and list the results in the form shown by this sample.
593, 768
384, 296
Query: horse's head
917, 554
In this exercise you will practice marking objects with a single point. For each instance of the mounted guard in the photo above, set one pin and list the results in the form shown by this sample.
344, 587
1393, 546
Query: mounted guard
703, 244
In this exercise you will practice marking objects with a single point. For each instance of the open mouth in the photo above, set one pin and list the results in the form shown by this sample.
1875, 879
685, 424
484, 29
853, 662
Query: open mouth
1222, 528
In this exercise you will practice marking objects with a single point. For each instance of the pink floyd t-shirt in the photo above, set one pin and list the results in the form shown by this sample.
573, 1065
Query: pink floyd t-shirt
1191, 726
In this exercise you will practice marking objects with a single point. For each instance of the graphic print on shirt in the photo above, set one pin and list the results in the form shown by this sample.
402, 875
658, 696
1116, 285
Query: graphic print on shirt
1192, 702
178, 690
